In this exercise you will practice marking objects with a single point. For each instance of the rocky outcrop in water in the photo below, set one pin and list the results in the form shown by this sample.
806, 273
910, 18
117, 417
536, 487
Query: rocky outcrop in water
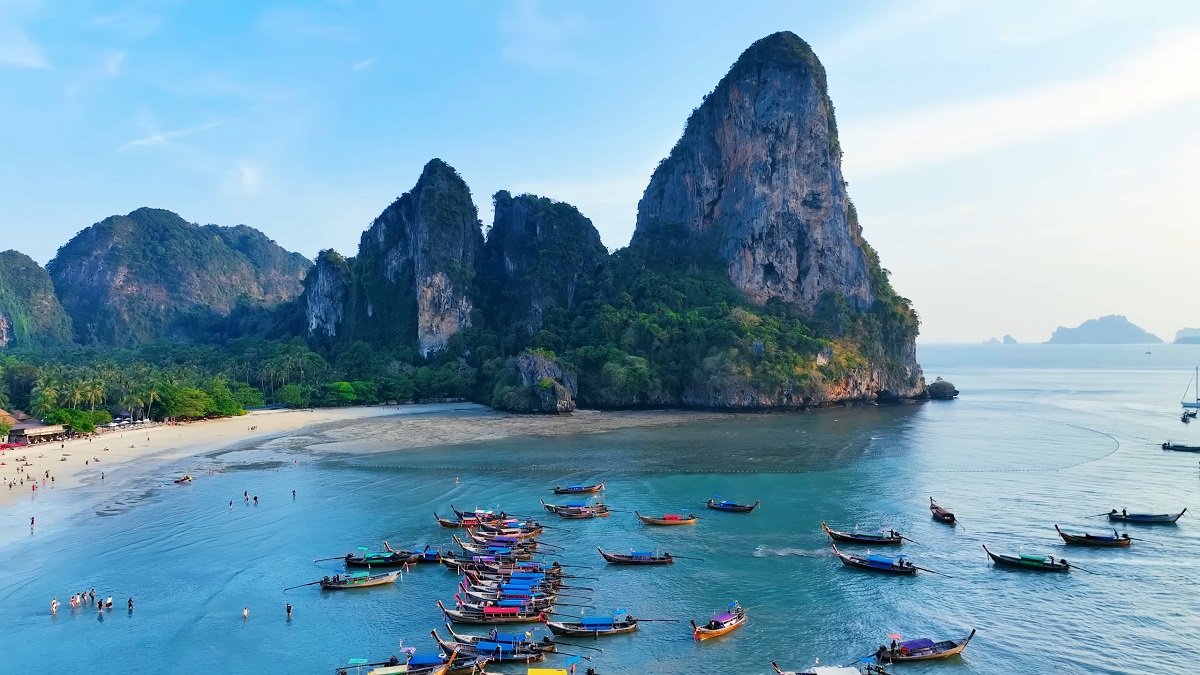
415, 265
534, 382
1107, 330
756, 180
537, 252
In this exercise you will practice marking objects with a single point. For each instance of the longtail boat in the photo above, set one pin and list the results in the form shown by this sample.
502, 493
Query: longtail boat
339, 582
418, 664
573, 506
462, 524
637, 558
578, 489
594, 626
1145, 518
733, 507
720, 624
524, 638
491, 615
1030, 561
922, 649
889, 538
496, 551
867, 669
941, 514
668, 519
1178, 447
1095, 539
583, 514
518, 529
382, 559
479, 514
502, 540
499, 651
877, 563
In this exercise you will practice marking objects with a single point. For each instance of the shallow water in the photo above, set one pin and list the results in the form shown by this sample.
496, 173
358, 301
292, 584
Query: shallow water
1041, 435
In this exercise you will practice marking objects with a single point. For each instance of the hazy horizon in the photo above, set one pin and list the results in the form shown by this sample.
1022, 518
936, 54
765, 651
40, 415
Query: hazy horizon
1018, 167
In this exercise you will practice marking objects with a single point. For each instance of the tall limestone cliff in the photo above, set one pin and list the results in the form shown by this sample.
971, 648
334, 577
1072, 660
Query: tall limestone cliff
755, 183
538, 252
30, 314
415, 264
325, 296
152, 274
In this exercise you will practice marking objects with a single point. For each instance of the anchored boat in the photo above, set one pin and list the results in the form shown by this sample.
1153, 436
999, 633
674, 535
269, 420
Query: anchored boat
668, 519
889, 538
1094, 539
1029, 561
922, 649
720, 624
1145, 518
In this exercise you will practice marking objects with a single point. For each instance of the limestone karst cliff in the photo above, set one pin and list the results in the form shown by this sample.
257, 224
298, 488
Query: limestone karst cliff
30, 314
152, 274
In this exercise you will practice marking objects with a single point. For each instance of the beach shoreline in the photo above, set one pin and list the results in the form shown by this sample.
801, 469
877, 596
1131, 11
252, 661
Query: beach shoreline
317, 432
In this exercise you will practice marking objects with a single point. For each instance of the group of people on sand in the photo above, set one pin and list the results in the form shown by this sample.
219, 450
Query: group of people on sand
81, 599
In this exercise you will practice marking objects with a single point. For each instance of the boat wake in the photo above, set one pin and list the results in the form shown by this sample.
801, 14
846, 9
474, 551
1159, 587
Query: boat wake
767, 552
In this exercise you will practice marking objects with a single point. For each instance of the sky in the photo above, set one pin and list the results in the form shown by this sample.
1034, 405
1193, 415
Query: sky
1018, 165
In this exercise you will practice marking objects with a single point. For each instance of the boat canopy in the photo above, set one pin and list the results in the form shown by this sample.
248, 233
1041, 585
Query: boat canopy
510, 637
641, 554
917, 645
489, 646
596, 621
1033, 556
724, 616
501, 610
881, 560
425, 659
512, 603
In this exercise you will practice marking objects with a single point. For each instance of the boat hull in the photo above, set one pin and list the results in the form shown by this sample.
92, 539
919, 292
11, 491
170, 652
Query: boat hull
666, 522
1094, 541
1147, 518
731, 508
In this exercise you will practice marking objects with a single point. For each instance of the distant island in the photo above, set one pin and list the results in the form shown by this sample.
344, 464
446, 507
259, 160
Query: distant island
1188, 336
1007, 340
1107, 330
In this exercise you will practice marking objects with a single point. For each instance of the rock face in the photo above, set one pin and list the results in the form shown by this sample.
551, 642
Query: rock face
756, 180
536, 253
1107, 330
30, 314
325, 295
1187, 336
152, 274
415, 264
534, 383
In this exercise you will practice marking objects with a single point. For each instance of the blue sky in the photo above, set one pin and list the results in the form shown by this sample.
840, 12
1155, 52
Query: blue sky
1018, 165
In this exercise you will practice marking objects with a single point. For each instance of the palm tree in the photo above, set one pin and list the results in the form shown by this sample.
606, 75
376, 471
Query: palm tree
150, 397
133, 402
94, 393
75, 392
44, 399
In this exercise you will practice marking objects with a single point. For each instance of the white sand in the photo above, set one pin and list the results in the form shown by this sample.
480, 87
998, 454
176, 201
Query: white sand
161, 444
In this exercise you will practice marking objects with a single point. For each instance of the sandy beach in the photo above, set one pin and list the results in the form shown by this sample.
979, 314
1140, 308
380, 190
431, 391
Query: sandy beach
322, 431
159, 444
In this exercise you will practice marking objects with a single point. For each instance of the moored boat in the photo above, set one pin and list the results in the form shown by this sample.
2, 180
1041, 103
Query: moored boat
578, 489
380, 559
418, 664
339, 582
668, 519
523, 652
1180, 447
1029, 561
1094, 539
922, 649
877, 563
594, 626
637, 558
1145, 518
867, 669
492, 615
889, 538
720, 624
733, 507
941, 514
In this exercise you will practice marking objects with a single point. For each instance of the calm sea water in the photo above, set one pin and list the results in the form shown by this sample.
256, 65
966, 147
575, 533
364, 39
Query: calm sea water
1041, 435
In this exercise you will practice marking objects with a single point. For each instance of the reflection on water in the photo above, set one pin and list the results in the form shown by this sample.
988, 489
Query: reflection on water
1030, 444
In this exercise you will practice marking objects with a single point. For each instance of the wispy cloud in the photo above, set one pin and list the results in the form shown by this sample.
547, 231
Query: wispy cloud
537, 40
162, 138
1164, 76
112, 62
132, 23
17, 48
886, 24
248, 178
292, 23
364, 64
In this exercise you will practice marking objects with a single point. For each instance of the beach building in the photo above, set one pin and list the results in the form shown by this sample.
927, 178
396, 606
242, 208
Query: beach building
29, 430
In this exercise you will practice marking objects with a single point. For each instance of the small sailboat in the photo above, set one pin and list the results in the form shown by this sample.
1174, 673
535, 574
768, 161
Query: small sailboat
1191, 407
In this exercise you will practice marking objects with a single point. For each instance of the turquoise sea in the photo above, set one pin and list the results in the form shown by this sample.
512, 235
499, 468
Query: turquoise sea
1041, 435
